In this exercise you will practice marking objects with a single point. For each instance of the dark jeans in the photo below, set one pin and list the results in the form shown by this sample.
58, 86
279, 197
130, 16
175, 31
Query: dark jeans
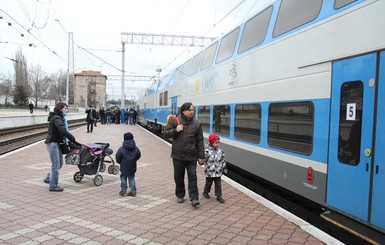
179, 171
90, 124
218, 186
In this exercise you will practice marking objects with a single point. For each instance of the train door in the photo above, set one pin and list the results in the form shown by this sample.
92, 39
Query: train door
351, 118
378, 196
174, 105
352, 186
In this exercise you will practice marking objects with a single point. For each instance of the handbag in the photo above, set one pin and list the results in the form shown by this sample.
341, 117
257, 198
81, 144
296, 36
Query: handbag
65, 149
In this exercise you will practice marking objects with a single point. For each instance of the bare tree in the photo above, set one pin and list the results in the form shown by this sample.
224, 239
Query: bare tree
5, 88
38, 82
57, 88
21, 90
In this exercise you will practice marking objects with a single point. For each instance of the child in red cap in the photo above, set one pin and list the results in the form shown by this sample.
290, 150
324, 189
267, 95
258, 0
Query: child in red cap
214, 166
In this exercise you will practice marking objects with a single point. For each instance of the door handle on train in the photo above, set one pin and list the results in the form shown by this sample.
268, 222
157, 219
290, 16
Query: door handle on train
367, 167
377, 168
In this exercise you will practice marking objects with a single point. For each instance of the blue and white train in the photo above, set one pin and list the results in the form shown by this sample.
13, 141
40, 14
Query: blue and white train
295, 94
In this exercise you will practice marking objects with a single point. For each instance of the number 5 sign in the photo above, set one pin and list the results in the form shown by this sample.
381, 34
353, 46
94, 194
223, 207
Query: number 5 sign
351, 111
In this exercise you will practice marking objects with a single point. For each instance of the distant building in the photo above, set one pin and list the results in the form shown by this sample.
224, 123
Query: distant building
90, 89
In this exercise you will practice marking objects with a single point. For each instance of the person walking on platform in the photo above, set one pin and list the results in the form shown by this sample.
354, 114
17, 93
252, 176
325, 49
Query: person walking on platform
215, 166
57, 133
187, 148
127, 156
31, 107
91, 116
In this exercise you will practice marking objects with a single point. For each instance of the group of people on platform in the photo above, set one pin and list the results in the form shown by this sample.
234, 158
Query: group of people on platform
109, 116
187, 150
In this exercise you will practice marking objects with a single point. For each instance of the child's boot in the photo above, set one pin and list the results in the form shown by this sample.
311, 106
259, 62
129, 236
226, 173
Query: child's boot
132, 194
122, 192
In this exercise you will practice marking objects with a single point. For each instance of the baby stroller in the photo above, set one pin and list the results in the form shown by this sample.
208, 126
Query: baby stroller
91, 160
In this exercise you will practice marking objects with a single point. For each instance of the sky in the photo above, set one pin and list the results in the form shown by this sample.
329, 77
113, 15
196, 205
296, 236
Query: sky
41, 29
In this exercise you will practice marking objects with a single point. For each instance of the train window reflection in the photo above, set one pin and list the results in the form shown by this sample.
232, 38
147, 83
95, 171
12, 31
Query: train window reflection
208, 57
349, 140
195, 64
204, 117
248, 122
341, 3
255, 30
294, 13
221, 120
226, 49
291, 126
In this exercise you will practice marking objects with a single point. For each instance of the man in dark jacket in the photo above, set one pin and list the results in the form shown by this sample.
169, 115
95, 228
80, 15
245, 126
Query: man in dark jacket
127, 156
57, 133
91, 116
187, 148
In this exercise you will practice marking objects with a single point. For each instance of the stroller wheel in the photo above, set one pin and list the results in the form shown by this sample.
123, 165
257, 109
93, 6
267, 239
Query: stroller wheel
102, 168
98, 180
111, 169
114, 169
78, 176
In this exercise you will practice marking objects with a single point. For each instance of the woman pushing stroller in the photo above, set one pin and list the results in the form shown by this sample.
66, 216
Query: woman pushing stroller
57, 132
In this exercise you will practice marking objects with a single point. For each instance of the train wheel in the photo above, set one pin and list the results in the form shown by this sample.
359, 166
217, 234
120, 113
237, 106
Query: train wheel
78, 176
98, 180
115, 169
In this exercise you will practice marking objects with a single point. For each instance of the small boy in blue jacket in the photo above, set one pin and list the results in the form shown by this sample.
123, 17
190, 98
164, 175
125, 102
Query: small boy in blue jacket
127, 156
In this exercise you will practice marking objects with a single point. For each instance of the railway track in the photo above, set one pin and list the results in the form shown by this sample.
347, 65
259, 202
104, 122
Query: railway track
14, 138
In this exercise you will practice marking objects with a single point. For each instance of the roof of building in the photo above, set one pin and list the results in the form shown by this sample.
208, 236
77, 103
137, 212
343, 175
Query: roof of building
91, 73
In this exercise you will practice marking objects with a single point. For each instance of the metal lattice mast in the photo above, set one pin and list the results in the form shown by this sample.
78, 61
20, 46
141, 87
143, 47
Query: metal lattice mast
70, 67
162, 39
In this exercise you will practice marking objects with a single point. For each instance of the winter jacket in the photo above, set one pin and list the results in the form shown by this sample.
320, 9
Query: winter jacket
215, 162
56, 129
187, 145
127, 156
91, 115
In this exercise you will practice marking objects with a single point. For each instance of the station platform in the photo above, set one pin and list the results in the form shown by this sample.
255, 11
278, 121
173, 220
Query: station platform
22, 117
87, 214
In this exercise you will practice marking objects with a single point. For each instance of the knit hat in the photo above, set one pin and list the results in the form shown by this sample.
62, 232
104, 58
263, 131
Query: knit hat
128, 136
213, 138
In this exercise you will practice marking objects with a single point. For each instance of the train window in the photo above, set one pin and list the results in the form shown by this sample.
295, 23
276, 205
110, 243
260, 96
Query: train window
221, 120
195, 64
255, 30
291, 126
294, 13
204, 117
226, 49
349, 140
165, 98
209, 56
161, 99
248, 122
178, 74
342, 3
183, 70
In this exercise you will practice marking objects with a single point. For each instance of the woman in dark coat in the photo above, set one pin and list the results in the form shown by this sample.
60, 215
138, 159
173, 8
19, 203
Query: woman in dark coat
57, 133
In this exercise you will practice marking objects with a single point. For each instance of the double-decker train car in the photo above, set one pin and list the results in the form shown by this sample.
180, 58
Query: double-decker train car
297, 95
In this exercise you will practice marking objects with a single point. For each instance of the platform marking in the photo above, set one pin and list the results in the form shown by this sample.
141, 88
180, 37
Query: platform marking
70, 186
46, 165
71, 237
4, 205
125, 202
